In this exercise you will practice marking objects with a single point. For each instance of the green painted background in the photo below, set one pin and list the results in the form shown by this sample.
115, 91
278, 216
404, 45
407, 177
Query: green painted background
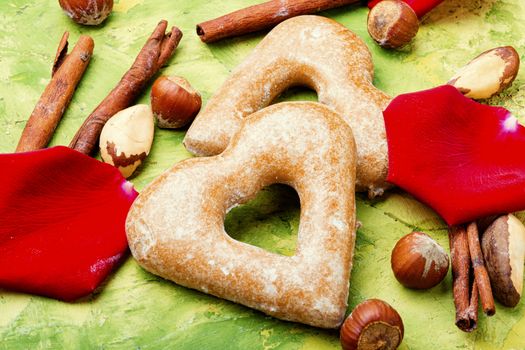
135, 309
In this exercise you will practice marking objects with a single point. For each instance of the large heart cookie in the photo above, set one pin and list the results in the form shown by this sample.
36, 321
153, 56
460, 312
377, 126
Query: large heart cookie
176, 226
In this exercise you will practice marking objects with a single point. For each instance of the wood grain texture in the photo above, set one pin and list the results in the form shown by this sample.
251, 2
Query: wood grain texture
136, 309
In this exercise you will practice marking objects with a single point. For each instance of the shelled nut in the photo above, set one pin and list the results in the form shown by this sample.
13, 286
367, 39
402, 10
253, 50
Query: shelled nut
373, 324
89, 12
392, 23
503, 246
174, 102
488, 74
418, 261
126, 138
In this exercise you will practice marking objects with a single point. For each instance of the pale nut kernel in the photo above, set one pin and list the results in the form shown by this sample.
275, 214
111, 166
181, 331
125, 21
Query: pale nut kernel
373, 324
126, 138
488, 74
392, 23
418, 261
174, 102
503, 246
88, 12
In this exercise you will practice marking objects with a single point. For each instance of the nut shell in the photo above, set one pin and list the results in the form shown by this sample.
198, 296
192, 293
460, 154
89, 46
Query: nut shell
373, 324
503, 246
88, 12
418, 261
174, 102
126, 138
392, 23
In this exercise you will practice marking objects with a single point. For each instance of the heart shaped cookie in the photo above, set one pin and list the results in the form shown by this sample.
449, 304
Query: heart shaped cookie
311, 51
176, 226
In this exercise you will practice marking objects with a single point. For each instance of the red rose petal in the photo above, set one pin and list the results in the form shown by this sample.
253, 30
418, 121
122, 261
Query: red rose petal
62, 220
462, 158
420, 7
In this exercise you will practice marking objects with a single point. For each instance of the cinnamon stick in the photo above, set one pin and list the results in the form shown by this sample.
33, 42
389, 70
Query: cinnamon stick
262, 16
153, 55
472, 311
480, 271
465, 301
67, 71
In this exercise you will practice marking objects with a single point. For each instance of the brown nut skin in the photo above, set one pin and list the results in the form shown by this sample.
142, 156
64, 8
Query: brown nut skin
418, 262
488, 74
373, 324
392, 23
88, 12
126, 139
174, 102
503, 246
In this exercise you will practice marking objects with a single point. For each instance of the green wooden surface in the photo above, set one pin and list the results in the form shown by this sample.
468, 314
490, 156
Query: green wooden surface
135, 309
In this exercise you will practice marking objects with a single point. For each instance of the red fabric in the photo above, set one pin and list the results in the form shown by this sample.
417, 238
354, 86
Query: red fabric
62, 220
462, 158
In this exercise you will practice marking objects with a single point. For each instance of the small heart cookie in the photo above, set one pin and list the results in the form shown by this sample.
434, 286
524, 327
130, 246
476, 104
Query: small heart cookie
312, 51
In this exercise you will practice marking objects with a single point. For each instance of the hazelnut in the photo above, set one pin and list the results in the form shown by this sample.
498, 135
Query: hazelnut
392, 23
488, 74
373, 324
174, 102
503, 246
126, 138
89, 12
418, 261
